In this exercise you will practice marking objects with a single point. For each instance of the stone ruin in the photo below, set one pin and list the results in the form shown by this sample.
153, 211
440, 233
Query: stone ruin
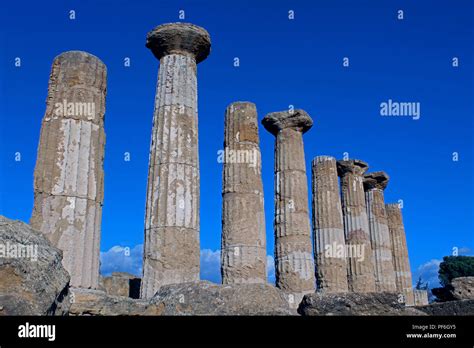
359, 240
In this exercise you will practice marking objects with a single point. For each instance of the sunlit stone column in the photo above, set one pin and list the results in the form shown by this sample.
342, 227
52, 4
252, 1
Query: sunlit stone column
360, 268
171, 250
69, 176
243, 249
374, 185
294, 264
401, 263
329, 241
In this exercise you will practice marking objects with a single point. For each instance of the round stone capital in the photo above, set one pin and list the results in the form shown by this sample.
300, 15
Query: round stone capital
353, 166
376, 180
298, 120
176, 38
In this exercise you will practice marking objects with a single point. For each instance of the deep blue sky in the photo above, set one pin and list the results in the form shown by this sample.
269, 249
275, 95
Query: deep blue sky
282, 62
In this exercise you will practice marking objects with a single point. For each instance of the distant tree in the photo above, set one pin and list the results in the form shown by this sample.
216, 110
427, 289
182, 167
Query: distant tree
454, 267
420, 285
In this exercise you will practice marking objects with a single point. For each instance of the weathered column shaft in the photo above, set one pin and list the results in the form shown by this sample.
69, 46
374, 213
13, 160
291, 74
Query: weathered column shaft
294, 264
329, 241
68, 178
243, 249
401, 262
374, 185
356, 226
171, 249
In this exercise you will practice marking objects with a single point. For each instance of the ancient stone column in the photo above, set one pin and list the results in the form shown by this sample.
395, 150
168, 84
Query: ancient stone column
69, 177
401, 263
360, 268
171, 248
294, 264
374, 185
420, 298
243, 247
329, 241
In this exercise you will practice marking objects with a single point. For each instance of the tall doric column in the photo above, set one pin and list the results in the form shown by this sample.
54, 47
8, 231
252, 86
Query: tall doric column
243, 248
294, 264
329, 241
374, 185
69, 176
171, 250
401, 263
360, 270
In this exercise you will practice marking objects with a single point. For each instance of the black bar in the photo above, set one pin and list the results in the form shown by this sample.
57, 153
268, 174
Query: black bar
287, 331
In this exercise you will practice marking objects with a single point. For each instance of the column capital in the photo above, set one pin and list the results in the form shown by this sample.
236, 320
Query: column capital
179, 38
298, 120
376, 180
354, 166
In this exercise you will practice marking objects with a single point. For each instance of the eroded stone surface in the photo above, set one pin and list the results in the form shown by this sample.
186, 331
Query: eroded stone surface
121, 284
360, 271
463, 288
461, 307
243, 254
98, 303
329, 241
401, 263
374, 185
380, 303
294, 263
68, 178
33, 280
171, 250
206, 298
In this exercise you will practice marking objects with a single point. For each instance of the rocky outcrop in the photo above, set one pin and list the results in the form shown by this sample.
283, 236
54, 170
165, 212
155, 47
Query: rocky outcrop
463, 288
98, 303
364, 304
32, 278
121, 284
206, 298
462, 307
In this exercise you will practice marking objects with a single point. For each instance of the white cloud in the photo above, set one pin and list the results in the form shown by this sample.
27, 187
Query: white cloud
211, 265
271, 269
428, 272
465, 251
122, 259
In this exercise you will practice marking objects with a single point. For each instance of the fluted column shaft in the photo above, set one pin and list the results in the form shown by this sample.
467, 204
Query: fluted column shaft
171, 248
380, 241
172, 209
294, 263
329, 241
243, 246
68, 177
401, 262
356, 227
